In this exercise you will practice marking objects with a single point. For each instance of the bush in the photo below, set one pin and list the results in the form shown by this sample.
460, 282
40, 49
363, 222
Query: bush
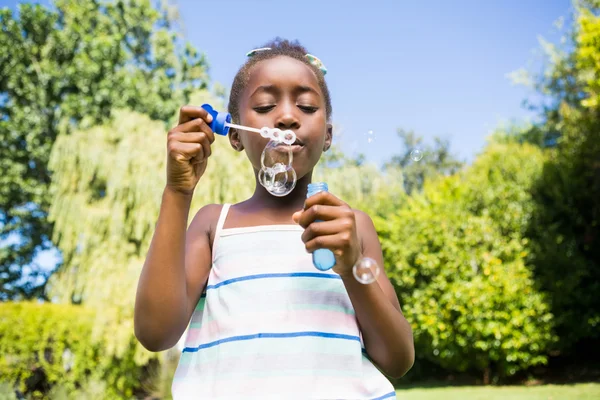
460, 272
7, 392
44, 346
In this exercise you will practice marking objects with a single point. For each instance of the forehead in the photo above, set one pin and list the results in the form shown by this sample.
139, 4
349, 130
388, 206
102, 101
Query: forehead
283, 72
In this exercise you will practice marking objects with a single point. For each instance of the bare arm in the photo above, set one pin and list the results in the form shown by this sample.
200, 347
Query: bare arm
177, 263
386, 333
174, 274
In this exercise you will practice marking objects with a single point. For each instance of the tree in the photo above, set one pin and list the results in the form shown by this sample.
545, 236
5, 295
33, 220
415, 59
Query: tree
435, 160
68, 68
564, 227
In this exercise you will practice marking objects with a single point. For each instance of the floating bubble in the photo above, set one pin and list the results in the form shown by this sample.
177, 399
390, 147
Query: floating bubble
416, 155
370, 135
366, 270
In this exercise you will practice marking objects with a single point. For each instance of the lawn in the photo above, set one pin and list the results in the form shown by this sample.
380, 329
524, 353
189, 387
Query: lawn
586, 391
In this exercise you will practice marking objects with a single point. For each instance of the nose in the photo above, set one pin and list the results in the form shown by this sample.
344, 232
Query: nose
287, 118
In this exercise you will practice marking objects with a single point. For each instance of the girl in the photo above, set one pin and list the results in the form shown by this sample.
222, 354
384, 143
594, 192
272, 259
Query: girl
263, 321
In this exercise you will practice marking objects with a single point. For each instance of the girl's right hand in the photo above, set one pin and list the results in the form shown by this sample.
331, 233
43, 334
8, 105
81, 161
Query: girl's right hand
188, 148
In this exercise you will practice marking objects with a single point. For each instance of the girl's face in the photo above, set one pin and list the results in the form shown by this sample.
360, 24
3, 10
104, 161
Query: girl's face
284, 93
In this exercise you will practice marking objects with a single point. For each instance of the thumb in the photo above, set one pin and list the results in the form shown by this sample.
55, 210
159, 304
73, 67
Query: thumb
296, 216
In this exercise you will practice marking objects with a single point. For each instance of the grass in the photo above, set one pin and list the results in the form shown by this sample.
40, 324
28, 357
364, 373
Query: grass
584, 391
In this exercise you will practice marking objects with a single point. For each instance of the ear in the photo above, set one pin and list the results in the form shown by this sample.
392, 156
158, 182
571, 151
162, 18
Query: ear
328, 137
235, 140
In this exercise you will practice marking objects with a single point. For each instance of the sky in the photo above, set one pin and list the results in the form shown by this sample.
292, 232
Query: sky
437, 67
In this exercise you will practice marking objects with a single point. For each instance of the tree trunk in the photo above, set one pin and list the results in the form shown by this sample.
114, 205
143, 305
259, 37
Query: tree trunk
486, 375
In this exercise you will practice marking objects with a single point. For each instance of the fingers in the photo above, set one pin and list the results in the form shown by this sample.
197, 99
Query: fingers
323, 213
193, 137
196, 125
325, 228
324, 198
188, 113
194, 131
336, 243
186, 151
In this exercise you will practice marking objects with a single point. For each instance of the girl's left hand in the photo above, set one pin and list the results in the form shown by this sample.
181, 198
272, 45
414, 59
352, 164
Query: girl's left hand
329, 223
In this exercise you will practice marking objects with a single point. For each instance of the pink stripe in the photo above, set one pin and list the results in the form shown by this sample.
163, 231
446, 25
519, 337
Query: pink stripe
284, 364
281, 321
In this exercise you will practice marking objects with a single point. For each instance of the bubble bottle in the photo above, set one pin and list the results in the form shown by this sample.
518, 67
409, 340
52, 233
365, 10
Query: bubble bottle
323, 259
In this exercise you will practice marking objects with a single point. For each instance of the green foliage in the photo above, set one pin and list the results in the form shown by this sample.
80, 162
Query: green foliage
7, 392
458, 265
563, 218
361, 185
498, 185
436, 160
564, 226
68, 68
49, 346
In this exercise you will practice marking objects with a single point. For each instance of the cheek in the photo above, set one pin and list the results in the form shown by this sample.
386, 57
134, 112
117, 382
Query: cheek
253, 148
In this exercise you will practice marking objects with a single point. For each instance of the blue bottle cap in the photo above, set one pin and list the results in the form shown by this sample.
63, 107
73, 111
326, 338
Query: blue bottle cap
219, 119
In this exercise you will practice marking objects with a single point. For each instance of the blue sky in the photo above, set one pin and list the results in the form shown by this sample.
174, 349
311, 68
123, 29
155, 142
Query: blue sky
437, 67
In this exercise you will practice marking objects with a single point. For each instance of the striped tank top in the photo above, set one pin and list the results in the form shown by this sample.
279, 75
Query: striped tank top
269, 325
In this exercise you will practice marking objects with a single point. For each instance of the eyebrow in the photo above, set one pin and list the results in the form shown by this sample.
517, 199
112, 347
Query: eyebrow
272, 89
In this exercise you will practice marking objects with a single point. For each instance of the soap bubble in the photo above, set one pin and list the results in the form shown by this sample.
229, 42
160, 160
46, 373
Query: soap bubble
278, 180
276, 152
416, 155
370, 135
366, 270
266, 177
276, 174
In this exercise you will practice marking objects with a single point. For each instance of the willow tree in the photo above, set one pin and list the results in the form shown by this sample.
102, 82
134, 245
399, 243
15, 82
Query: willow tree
106, 192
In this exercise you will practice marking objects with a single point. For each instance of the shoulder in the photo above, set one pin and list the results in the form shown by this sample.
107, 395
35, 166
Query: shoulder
205, 221
362, 218
207, 213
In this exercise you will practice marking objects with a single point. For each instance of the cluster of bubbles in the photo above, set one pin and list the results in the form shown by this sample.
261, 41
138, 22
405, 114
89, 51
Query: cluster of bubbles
277, 175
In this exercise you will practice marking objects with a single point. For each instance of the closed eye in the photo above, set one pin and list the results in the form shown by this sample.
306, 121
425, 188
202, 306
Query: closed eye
308, 109
263, 109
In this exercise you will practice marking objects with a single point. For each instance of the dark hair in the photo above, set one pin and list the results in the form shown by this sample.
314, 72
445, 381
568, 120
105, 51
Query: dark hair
279, 47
